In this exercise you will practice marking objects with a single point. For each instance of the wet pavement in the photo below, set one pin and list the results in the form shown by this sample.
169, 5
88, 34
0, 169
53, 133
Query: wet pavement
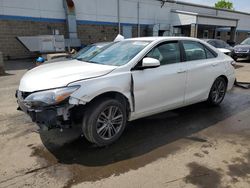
195, 146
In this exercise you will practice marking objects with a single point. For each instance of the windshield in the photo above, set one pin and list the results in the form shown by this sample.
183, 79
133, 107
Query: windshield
119, 53
89, 51
219, 44
247, 41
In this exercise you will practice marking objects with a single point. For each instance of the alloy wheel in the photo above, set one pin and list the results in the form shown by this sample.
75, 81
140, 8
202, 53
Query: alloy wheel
109, 122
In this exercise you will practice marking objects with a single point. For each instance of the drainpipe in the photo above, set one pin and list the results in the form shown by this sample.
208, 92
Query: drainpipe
69, 7
138, 19
118, 16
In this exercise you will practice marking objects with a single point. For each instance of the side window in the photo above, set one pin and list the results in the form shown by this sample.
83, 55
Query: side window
166, 53
194, 50
209, 54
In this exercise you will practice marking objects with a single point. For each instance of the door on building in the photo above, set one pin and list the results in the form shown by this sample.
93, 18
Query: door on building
127, 31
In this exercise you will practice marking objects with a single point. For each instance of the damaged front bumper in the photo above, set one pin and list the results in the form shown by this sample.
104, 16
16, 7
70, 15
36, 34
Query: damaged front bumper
50, 117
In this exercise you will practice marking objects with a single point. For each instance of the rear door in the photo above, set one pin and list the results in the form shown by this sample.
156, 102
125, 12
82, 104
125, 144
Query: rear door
202, 69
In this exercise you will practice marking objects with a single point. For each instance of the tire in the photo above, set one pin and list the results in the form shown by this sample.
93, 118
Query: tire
217, 92
104, 121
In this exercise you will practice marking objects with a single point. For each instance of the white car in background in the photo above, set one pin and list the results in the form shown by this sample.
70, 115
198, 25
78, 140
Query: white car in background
132, 79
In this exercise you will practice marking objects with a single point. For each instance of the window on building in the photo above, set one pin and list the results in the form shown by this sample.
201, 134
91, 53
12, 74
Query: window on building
166, 53
205, 34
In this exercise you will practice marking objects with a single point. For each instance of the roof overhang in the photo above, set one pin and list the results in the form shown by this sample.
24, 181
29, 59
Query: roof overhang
186, 18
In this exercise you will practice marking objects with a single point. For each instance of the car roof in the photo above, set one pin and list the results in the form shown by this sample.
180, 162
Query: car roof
213, 40
162, 38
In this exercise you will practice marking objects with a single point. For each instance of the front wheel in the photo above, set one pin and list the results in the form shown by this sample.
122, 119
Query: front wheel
104, 121
217, 92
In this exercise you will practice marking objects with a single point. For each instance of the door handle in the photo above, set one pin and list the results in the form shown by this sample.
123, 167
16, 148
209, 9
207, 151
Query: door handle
181, 71
214, 64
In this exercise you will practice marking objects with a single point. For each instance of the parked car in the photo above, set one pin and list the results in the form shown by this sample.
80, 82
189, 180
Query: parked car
132, 79
85, 53
242, 50
221, 45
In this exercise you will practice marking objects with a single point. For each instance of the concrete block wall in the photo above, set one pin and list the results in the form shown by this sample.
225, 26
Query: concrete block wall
88, 34
10, 29
240, 36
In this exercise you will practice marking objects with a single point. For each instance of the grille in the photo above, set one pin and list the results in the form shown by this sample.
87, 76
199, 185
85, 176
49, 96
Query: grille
244, 50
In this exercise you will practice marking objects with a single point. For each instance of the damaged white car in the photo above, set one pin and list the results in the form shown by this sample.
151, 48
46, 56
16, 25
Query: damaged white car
131, 79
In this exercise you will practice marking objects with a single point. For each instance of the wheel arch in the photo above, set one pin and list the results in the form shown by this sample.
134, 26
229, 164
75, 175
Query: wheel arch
224, 77
114, 95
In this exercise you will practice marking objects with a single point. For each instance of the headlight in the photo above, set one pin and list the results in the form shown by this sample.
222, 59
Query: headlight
49, 97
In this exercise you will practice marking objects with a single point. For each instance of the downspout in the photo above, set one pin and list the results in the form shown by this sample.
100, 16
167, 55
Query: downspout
138, 19
118, 16
235, 34
196, 27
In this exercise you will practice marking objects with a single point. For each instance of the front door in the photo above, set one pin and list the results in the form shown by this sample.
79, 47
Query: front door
162, 88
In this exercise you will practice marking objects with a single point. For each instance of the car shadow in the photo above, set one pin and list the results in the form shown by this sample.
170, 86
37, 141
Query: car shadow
243, 60
157, 133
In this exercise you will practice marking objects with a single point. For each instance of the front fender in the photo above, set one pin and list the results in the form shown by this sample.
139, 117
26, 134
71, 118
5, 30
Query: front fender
91, 88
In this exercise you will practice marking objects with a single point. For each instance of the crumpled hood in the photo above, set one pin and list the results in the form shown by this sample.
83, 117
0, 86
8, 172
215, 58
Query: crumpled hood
60, 74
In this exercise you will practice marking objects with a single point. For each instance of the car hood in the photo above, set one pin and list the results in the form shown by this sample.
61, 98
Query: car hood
60, 74
242, 46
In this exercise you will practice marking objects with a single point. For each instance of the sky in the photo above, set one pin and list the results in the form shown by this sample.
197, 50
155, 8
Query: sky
239, 5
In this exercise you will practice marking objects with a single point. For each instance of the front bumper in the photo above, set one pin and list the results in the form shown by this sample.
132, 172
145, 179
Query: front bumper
240, 54
50, 117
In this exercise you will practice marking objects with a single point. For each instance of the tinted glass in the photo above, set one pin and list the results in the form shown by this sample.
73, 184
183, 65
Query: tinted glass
194, 50
209, 54
166, 53
246, 42
211, 42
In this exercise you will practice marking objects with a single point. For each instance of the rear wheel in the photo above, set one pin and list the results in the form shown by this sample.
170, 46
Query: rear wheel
217, 92
104, 121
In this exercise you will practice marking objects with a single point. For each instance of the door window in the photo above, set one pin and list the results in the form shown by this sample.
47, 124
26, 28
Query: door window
166, 53
194, 50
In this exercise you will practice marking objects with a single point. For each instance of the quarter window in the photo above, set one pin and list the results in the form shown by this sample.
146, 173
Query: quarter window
166, 53
209, 54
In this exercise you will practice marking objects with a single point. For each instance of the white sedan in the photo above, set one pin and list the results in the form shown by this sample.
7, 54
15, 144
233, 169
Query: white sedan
131, 79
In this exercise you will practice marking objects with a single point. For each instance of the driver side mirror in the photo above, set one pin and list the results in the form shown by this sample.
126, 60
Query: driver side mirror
149, 62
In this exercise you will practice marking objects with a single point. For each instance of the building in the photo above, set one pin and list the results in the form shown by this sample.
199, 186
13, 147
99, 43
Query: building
102, 20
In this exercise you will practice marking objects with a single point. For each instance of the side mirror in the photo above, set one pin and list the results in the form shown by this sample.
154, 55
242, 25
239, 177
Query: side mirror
149, 62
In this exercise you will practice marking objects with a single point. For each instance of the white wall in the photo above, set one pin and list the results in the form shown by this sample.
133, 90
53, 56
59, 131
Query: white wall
244, 19
33, 8
106, 11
